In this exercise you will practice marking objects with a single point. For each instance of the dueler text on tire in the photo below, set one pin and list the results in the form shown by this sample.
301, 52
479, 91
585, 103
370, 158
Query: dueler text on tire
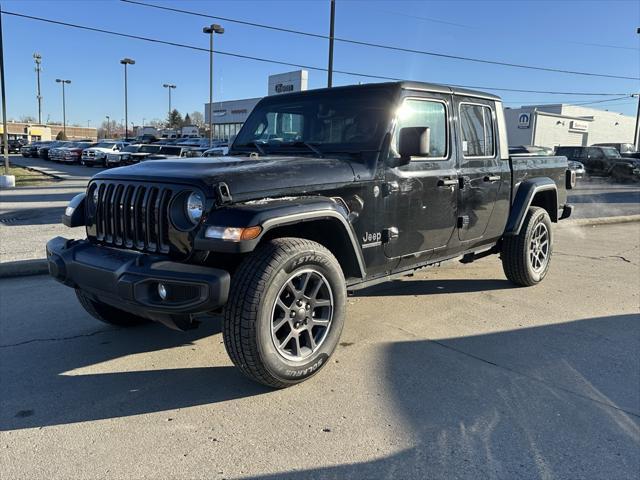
108, 314
285, 313
526, 256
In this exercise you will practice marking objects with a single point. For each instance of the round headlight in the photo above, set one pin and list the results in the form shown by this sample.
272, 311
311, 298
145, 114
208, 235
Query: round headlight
195, 207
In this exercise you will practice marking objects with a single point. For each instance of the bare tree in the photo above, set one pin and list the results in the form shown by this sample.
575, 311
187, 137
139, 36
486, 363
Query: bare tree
197, 119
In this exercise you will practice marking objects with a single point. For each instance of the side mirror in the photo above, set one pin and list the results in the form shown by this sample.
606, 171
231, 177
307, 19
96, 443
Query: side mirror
413, 142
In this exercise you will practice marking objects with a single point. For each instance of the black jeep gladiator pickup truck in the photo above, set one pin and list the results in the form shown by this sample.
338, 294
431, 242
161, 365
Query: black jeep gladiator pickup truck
322, 192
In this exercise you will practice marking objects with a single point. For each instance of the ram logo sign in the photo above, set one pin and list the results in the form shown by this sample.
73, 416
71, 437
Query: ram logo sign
524, 120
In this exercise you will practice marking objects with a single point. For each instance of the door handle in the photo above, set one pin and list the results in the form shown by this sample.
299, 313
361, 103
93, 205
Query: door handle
492, 178
447, 183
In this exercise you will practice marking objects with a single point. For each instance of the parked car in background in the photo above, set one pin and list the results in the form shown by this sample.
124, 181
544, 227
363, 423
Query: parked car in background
97, 154
577, 168
31, 149
602, 161
43, 150
627, 150
14, 145
121, 157
216, 151
70, 153
530, 150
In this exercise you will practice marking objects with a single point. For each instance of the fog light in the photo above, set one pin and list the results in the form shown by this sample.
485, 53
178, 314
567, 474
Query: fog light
162, 291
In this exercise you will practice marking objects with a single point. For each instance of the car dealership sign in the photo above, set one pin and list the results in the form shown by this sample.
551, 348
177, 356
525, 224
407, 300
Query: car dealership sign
288, 82
524, 120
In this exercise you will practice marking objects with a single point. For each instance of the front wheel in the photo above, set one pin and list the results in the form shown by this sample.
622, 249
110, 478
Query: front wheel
285, 313
526, 256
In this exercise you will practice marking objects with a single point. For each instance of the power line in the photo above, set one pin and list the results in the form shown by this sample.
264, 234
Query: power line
478, 28
290, 64
572, 102
381, 46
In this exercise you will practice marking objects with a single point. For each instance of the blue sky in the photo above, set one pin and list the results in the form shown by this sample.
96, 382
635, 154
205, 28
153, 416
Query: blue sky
546, 33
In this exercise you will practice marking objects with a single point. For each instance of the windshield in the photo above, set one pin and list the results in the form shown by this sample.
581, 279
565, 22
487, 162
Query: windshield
149, 148
130, 148
611, 152
350, 120
105, 145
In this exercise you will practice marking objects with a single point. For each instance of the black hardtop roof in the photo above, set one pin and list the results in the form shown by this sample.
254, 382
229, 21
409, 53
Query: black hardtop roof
405, 84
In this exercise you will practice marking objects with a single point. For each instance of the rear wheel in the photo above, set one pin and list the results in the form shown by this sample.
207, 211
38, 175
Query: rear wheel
285, 314
108, 314
526, 256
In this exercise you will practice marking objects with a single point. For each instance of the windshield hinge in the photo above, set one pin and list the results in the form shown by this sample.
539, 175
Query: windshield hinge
224, 194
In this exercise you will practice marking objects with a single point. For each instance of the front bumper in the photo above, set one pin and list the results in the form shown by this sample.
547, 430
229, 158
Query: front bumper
129, 281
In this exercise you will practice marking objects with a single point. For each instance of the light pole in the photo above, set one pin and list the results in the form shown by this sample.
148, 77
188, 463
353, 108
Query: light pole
636, 135
125, 62
331, 29
210, 30
108, 126
169, 86
5, 135
64, 107
38, 59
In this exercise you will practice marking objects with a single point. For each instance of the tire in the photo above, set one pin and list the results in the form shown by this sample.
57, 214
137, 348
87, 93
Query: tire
108, 314
266, 332
526, 260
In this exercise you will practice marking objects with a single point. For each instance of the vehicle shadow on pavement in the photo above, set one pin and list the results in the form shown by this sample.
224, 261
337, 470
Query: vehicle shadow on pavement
435, 286
556, 401
46, 391
36, 197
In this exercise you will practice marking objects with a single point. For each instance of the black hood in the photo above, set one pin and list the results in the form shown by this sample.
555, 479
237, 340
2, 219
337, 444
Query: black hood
244, 176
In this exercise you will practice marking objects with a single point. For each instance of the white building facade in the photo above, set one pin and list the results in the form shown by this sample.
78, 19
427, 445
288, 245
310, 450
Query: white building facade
228, 116
561, 124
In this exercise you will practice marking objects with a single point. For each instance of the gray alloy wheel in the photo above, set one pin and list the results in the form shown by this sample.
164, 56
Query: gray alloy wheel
302, 315
539, 246
526, 256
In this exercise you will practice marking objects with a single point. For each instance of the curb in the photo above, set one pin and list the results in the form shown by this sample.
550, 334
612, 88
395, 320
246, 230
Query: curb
586, 222
23, 268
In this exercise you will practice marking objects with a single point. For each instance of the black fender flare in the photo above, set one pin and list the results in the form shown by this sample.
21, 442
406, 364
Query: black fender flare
274, 213
527, 191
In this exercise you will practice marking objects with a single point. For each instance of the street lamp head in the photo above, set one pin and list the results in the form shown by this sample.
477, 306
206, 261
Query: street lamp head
214, 28
127, 61
169, 85
58, 80
37, 57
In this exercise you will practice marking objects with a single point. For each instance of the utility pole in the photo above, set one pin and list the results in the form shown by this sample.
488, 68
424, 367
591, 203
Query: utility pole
125, 62
331, 31
5, 135
210, 30
108, 126
636, 136
64, 107
38, 59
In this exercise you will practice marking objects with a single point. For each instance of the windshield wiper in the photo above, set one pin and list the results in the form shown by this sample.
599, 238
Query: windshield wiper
256, 145
319, 153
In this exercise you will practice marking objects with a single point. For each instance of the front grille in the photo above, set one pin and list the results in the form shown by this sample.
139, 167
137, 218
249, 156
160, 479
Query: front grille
132, 216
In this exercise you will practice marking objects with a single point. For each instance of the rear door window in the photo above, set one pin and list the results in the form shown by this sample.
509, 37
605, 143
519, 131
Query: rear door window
478, 134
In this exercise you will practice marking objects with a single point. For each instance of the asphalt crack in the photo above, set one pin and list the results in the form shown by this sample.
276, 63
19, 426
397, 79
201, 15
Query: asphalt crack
606, 257
54, 339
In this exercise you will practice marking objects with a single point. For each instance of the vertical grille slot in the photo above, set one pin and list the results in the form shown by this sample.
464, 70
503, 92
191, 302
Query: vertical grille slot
133, 216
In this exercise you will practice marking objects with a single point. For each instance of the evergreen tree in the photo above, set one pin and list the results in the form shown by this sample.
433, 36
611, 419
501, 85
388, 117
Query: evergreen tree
175, 119
187, 119
61, 136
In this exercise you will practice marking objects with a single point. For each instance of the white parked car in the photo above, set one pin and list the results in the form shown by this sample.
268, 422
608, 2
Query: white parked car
98, 153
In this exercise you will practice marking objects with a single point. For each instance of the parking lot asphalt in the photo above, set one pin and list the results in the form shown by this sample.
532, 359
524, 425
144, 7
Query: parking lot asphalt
451, 374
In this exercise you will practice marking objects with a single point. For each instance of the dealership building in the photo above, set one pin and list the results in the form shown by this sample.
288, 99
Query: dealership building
229, 116
562, 124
